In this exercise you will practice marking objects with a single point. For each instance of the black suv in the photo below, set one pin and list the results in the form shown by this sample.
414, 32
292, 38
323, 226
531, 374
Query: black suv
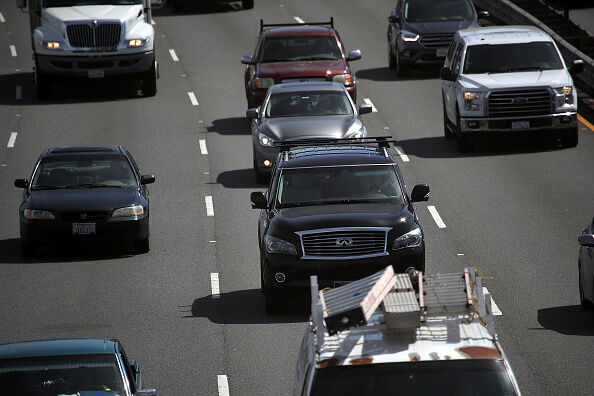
420, 31
339, 210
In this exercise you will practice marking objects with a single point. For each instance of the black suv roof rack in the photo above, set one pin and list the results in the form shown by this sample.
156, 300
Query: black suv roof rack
271, 25
381, 141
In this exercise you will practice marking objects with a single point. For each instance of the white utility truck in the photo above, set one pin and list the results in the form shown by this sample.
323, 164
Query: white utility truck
92, 39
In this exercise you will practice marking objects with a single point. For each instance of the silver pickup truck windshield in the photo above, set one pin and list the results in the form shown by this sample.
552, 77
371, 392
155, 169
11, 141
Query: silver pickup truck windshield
508, 58
73, 3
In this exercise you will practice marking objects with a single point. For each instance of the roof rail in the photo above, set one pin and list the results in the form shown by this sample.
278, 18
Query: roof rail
271, 25
381, 141
407, 300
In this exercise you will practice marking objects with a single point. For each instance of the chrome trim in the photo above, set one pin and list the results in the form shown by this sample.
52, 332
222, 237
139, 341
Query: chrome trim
339, 229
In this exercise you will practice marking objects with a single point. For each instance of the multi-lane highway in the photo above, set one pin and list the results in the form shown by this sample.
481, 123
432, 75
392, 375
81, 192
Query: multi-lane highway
515, 209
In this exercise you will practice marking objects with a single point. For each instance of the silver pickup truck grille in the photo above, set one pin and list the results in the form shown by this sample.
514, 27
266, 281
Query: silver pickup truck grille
344, 243
526, 102
105, 35
436, 40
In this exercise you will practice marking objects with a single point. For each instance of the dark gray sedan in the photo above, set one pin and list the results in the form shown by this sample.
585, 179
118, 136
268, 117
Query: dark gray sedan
308, 110
586, 267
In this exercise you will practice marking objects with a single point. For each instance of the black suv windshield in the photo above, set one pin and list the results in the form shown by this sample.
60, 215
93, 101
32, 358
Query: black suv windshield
434, 11
463, 377
505, 58
297, 104
72, 3
300, 48
61, 375
89, 171
338, 185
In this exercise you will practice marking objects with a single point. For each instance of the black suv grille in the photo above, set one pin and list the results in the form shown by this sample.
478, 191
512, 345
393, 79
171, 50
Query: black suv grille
106, 35
527, 102
436, 40
344, 243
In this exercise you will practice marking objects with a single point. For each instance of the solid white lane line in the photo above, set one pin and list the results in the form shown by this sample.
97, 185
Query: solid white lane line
203, 149
13, 50
223, 383
436, 217
193, 98
209, 205
2, 20
11, 140
19, 92
173, 55
369, 102
299, 20
401, 153
494, 307
214, 285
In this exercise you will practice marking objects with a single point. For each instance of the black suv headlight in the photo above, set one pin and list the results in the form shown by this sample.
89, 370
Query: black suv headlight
411, 239
277, 245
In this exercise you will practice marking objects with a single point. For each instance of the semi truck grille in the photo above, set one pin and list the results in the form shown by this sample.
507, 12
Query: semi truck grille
528, 102
344, 243
106, 35
436, 40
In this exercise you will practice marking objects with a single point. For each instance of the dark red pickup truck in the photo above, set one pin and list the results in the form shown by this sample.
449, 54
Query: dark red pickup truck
297, 52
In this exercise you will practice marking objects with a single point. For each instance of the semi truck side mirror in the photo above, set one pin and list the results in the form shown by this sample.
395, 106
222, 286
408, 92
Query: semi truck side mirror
21, 3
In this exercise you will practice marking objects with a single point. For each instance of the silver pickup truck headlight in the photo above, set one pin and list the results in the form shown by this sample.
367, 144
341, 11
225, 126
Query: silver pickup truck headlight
473, 100
277, 245
411, 239
564, 97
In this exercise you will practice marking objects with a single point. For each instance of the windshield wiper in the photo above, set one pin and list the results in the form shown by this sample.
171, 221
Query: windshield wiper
46, 187
92, 185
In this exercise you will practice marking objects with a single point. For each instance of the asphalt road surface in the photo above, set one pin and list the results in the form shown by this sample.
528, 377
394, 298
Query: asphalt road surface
515, 208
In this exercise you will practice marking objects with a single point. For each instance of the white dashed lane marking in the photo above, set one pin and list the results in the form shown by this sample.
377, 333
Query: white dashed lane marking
369, 102
401, 153
193, 98
494, 307
203, 149
173, 55
13, 51
209, 205
214, 285
436, 217
19, 92
299, 20
2, 20
223, 383
11, 140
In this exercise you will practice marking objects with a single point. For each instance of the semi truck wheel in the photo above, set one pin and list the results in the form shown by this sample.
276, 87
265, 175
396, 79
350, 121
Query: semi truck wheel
149, 81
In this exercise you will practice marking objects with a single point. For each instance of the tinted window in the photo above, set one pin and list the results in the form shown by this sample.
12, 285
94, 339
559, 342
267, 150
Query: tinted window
296, 48
309, 104
70, 171
502, 58
61, 375
442, 10
341, 184
478, 377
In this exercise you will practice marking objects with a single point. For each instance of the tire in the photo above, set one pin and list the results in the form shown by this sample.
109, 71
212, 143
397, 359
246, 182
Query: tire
583, 301
261, 274
274, 304
391, 57
142, 246
43, 85
260, 177
463, 141
401, 69
571, 138
447, 132
247, 4
149, 81
28, 250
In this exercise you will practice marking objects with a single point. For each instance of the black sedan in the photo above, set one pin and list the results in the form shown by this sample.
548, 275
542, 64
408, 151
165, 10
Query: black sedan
84, 194
586, 267
306, 110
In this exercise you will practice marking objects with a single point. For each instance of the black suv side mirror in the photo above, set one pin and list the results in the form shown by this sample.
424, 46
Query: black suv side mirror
586, 240
420, 193
393, 19
21, 183
445, 73
258, 200
147, 179
252, 114
577, 66
364, 109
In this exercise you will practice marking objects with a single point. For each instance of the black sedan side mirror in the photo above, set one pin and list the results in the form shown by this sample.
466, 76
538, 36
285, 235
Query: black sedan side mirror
247, 60
483, 14
577, 66
445, 73
147, 179
365, 109
21, 183
420, 193
586, 240
354, 55
258, 200
393, 19
252, 114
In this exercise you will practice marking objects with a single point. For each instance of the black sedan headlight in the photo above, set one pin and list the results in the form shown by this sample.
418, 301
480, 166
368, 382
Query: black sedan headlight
411, 239
277, 245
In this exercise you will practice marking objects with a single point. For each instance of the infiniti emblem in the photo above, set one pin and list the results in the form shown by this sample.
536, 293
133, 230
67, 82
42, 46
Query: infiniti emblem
83, 216
519, 101
344, 242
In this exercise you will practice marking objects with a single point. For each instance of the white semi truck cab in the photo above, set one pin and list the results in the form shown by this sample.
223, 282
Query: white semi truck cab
92, 39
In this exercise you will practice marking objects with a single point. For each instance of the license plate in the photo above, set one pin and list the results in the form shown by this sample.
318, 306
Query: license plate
441, 52
520, 125
341, 283
96, 73
83, 229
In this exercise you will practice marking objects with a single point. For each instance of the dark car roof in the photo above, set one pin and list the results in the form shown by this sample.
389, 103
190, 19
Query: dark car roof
305, 30
334, 156
86, 150
307, 87
80, 346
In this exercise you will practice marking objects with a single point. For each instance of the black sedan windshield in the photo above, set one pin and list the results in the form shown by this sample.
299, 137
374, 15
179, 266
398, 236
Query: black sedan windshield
89, 171
300, 48
434, 11
72, 3
298, 104
61, 375
338, 185
505, 58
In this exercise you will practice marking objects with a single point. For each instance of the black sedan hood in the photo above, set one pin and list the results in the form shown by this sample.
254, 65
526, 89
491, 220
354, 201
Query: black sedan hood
83, 199
438, 27
289, 128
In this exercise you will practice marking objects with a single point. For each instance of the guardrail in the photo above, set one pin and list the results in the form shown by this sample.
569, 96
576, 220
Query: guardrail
512, 14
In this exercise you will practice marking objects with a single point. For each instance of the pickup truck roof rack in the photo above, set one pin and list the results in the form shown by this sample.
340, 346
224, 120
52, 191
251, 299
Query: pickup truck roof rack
381, 141
272, 25
408, 301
